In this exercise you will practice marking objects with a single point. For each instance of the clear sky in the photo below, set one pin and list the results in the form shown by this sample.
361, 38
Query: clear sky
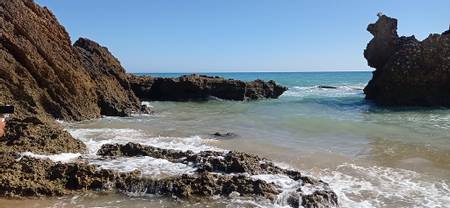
242, 35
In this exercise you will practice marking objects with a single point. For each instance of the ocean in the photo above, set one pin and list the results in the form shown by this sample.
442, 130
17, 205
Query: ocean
371, 156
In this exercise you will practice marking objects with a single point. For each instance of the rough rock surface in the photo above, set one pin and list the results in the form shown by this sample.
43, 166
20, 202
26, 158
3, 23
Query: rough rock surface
41, 73
26, 177
236, 163
34, 177
115, 97
199, 87
35, 135
204, 161
408, 72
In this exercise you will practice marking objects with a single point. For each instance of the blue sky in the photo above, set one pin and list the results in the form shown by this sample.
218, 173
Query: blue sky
242, 35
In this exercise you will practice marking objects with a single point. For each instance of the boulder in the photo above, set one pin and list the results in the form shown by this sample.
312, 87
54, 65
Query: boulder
199, 87
408, 72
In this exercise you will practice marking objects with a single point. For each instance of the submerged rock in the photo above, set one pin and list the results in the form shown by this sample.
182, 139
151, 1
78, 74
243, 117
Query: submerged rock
326, 87
224, 135
408, 72
198, 87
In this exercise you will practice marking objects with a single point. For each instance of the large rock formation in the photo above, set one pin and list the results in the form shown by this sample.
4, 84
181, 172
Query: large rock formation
408, 72
198, 87
40, 72
45, 77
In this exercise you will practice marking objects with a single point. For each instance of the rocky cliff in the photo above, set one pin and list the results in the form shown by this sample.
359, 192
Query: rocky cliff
408, 72
45, 77
199, 87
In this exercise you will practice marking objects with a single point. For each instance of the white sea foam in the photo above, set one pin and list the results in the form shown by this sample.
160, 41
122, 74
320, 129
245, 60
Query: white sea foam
63, 157
148, 166
374, 186
146, 103
316, 91
282, 181
287, 187
95, 138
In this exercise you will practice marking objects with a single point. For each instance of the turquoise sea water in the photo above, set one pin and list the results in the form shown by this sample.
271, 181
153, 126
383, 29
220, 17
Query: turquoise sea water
371, 156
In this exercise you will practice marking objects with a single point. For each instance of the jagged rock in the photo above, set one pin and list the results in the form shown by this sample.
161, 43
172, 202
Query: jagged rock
408, 72
201, 185
115, 97
198, 87
25, 176
207, 161
211, 165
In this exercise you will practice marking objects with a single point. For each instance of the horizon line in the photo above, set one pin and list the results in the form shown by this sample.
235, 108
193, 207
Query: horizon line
198, 72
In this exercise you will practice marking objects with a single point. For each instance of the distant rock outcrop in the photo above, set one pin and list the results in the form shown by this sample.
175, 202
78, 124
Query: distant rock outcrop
408, 72
199, 87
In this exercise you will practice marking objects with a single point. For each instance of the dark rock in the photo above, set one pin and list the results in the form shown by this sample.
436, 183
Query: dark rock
201, 185
326, 87
322, 198
224, 135
408, 72
196, 87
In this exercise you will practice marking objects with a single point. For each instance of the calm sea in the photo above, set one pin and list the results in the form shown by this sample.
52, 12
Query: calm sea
371, 156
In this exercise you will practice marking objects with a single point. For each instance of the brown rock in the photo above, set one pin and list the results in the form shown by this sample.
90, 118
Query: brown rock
28, 177
41, 73
39, 136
